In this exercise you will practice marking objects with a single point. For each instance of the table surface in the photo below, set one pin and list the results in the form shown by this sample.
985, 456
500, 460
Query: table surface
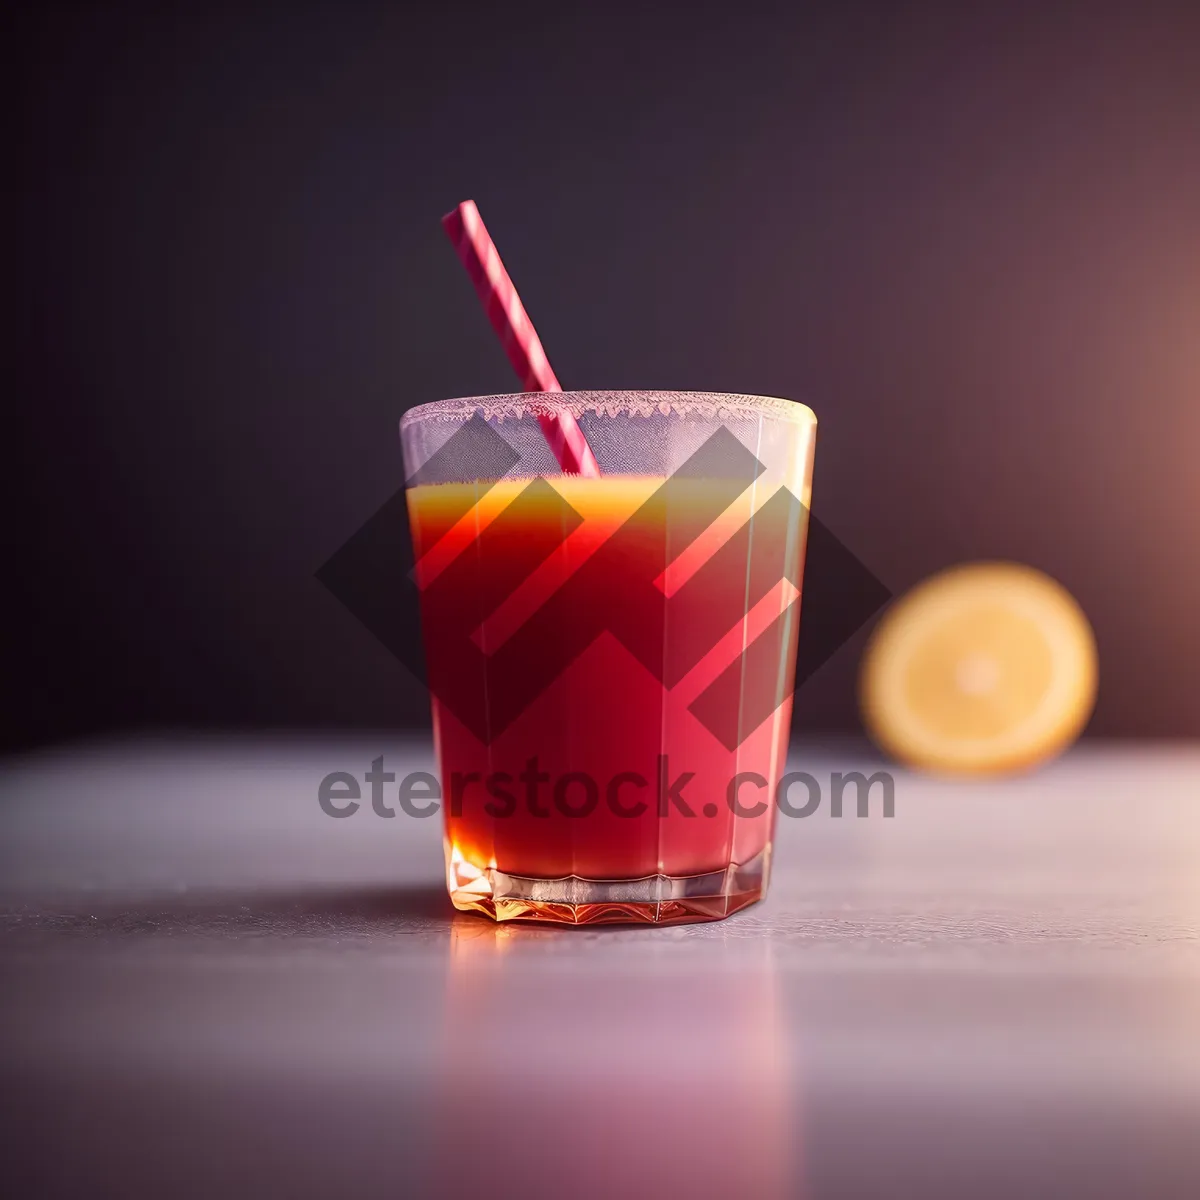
210, 987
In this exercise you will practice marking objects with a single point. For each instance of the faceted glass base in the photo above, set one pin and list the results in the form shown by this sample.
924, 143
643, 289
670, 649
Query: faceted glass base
571, 900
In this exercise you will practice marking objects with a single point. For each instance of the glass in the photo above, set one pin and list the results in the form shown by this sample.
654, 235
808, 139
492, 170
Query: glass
610, 660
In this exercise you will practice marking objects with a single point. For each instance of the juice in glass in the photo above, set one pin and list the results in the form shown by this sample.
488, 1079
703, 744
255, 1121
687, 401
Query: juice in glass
611, 659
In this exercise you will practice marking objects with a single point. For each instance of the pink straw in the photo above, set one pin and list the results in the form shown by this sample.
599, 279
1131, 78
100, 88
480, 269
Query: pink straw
464, 226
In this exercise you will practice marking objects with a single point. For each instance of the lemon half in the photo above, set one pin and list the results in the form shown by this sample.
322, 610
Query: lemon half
982, 669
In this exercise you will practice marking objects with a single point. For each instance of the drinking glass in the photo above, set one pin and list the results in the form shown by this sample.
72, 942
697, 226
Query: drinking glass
610, 660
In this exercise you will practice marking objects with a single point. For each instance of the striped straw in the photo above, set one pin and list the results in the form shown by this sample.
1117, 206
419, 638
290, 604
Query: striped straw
464, 226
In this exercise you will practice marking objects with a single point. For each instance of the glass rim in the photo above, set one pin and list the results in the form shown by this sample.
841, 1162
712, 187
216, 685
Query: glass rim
706, 405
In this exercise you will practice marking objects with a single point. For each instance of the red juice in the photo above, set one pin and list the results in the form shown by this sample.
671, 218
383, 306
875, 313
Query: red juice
601, 726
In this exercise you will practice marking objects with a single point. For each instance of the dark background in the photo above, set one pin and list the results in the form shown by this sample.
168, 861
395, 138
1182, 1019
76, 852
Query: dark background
969, 239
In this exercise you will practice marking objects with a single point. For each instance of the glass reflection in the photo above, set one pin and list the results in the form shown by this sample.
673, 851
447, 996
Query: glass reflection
636, 1063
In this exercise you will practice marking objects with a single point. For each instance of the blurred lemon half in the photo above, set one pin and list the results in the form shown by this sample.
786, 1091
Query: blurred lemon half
983, 669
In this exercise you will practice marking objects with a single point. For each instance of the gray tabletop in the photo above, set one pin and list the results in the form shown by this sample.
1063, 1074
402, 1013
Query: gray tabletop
210, 987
